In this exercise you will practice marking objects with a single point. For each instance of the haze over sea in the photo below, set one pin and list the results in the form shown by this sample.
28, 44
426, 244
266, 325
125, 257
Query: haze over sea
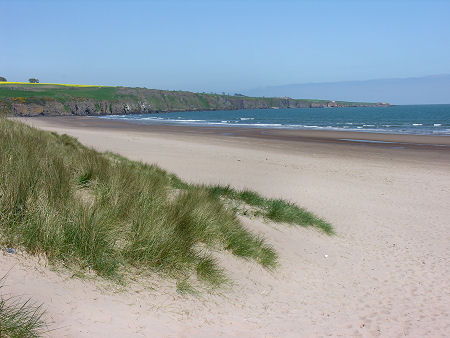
404, 119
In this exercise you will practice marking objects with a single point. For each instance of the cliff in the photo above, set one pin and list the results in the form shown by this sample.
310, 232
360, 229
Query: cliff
52, 99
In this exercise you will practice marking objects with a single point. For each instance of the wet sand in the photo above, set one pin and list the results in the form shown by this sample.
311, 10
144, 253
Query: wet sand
425, 142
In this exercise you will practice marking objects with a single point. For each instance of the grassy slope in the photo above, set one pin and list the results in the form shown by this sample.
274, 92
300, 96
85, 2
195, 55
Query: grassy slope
103, 212
156, 98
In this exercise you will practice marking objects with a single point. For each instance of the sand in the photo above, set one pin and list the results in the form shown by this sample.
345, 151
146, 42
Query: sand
385, 273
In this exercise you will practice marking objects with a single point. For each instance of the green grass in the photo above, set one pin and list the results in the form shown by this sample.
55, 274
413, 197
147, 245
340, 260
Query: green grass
203, 102
276, 210
184, 287
20, 318
102, 212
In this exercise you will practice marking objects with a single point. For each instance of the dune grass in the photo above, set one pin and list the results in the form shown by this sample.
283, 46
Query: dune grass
276, 210
20, 318
103, 212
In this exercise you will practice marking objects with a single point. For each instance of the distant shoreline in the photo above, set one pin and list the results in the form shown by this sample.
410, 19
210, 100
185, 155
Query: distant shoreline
25, 99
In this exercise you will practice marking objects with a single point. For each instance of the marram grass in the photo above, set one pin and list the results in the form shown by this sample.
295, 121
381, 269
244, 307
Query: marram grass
276, 210
19, 318
102, 212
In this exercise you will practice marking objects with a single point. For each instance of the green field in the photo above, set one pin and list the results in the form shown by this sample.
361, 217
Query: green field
60, 93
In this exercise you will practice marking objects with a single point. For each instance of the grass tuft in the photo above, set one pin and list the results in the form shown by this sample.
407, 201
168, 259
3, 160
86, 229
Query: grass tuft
84, 178
208, 270
184, 287
276, 210
20, 318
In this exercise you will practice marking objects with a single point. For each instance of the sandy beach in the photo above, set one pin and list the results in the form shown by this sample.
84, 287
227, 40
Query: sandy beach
386, 272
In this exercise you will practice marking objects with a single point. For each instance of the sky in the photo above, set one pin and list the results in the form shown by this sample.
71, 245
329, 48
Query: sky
217, 46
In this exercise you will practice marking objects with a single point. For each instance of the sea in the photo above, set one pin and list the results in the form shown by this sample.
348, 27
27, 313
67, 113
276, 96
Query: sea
395, 119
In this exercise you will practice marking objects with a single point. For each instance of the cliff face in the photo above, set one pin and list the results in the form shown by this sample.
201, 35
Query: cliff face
26, 100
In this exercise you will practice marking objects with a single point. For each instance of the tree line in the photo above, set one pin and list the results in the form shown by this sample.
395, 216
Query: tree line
31, 80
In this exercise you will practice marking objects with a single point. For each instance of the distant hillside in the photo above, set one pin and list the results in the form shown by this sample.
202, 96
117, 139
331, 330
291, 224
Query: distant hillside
420, 90
58, 99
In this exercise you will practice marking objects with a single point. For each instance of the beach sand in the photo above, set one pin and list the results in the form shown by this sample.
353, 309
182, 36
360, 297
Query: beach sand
386, 272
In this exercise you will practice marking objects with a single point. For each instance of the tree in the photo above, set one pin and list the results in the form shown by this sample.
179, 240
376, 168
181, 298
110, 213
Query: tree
33, 80
2, 79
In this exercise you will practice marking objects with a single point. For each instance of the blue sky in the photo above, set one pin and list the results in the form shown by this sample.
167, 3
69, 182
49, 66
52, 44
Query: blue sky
222, 45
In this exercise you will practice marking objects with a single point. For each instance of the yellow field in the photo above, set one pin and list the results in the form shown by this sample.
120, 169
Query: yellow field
53, 84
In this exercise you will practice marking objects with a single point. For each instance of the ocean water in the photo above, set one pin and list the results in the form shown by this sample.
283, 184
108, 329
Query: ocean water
417, 119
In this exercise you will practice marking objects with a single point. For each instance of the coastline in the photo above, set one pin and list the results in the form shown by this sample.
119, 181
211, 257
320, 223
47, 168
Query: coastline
273, 133
435, 148
24, 99
385, 271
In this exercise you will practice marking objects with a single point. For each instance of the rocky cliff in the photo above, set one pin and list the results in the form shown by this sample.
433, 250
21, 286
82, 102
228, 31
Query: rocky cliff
41, 99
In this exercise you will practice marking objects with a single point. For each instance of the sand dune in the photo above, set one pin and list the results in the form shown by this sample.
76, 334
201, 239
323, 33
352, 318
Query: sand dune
385, 273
